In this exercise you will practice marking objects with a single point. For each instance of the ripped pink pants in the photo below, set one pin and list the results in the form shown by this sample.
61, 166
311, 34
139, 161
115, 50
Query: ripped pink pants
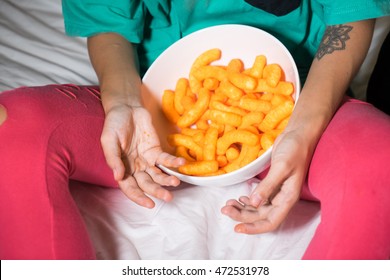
52, 135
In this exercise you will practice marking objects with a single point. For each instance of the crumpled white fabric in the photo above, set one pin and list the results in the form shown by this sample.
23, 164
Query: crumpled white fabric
189, 227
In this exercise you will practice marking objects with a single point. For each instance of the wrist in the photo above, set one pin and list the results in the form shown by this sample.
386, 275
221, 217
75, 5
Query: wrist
114, 60
309, 120
121, 93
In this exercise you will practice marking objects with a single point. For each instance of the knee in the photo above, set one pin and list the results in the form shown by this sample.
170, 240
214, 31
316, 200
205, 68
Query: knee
22, 105
24, 108
3, 114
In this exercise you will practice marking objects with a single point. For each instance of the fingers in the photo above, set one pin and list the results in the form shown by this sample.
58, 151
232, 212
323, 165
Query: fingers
240, 214
149, 186
169, 160
161, 178
271, 217
262, 226
242, 211
130, 188
131, 148
271, 209
141, 184
266, 218
273, 198
268, 187
242, 203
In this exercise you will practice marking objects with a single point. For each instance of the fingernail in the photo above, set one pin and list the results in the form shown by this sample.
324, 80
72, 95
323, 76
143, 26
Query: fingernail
239, 229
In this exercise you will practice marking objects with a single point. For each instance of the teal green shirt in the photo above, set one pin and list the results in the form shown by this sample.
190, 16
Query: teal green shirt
155, 24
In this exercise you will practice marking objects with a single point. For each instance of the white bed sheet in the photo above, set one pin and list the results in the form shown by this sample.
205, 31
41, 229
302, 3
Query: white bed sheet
35, 51
189, 227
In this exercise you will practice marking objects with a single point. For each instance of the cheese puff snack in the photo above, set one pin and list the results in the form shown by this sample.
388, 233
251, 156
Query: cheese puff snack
227, 115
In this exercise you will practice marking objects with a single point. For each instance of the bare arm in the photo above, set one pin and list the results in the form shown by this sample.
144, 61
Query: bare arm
339, 57
129, 140
114, 60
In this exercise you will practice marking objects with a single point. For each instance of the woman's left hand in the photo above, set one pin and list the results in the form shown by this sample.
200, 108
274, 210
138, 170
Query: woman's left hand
272, 199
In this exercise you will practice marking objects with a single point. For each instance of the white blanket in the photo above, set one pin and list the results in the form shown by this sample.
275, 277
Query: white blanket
35, 51
189, 227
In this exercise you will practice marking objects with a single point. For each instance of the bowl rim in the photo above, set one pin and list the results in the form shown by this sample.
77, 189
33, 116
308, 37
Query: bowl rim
267, 154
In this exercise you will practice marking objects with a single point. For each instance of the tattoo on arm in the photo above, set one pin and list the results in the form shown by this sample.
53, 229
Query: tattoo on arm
334, 39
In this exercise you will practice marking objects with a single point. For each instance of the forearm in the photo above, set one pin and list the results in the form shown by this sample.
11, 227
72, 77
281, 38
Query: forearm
331, 72
114, 60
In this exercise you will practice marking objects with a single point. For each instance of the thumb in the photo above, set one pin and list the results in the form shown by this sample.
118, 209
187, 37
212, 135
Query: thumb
267, 188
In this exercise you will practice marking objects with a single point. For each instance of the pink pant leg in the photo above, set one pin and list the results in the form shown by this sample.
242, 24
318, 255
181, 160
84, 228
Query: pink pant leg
51, 135
350, 175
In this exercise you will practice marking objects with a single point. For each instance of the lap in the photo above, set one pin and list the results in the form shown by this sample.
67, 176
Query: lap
354, 145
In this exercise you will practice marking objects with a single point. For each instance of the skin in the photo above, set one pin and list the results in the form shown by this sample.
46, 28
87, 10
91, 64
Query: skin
3, 114
131, 147
129, 140
272, 199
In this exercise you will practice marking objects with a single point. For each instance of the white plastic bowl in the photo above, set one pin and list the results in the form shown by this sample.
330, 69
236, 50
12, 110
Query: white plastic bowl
235, 41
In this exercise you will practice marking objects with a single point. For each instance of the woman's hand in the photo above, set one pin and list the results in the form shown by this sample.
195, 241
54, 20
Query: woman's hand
269, 204
132, 149
272, 199
129, 140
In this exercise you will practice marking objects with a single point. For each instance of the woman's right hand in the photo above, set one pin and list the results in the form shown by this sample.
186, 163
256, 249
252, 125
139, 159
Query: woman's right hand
132, 150
130, 143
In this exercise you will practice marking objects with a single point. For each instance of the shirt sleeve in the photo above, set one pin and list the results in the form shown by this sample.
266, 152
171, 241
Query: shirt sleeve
341, 11
86, 18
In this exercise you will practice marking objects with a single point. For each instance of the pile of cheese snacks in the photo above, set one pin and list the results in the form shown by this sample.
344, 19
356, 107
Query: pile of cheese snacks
227, 115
